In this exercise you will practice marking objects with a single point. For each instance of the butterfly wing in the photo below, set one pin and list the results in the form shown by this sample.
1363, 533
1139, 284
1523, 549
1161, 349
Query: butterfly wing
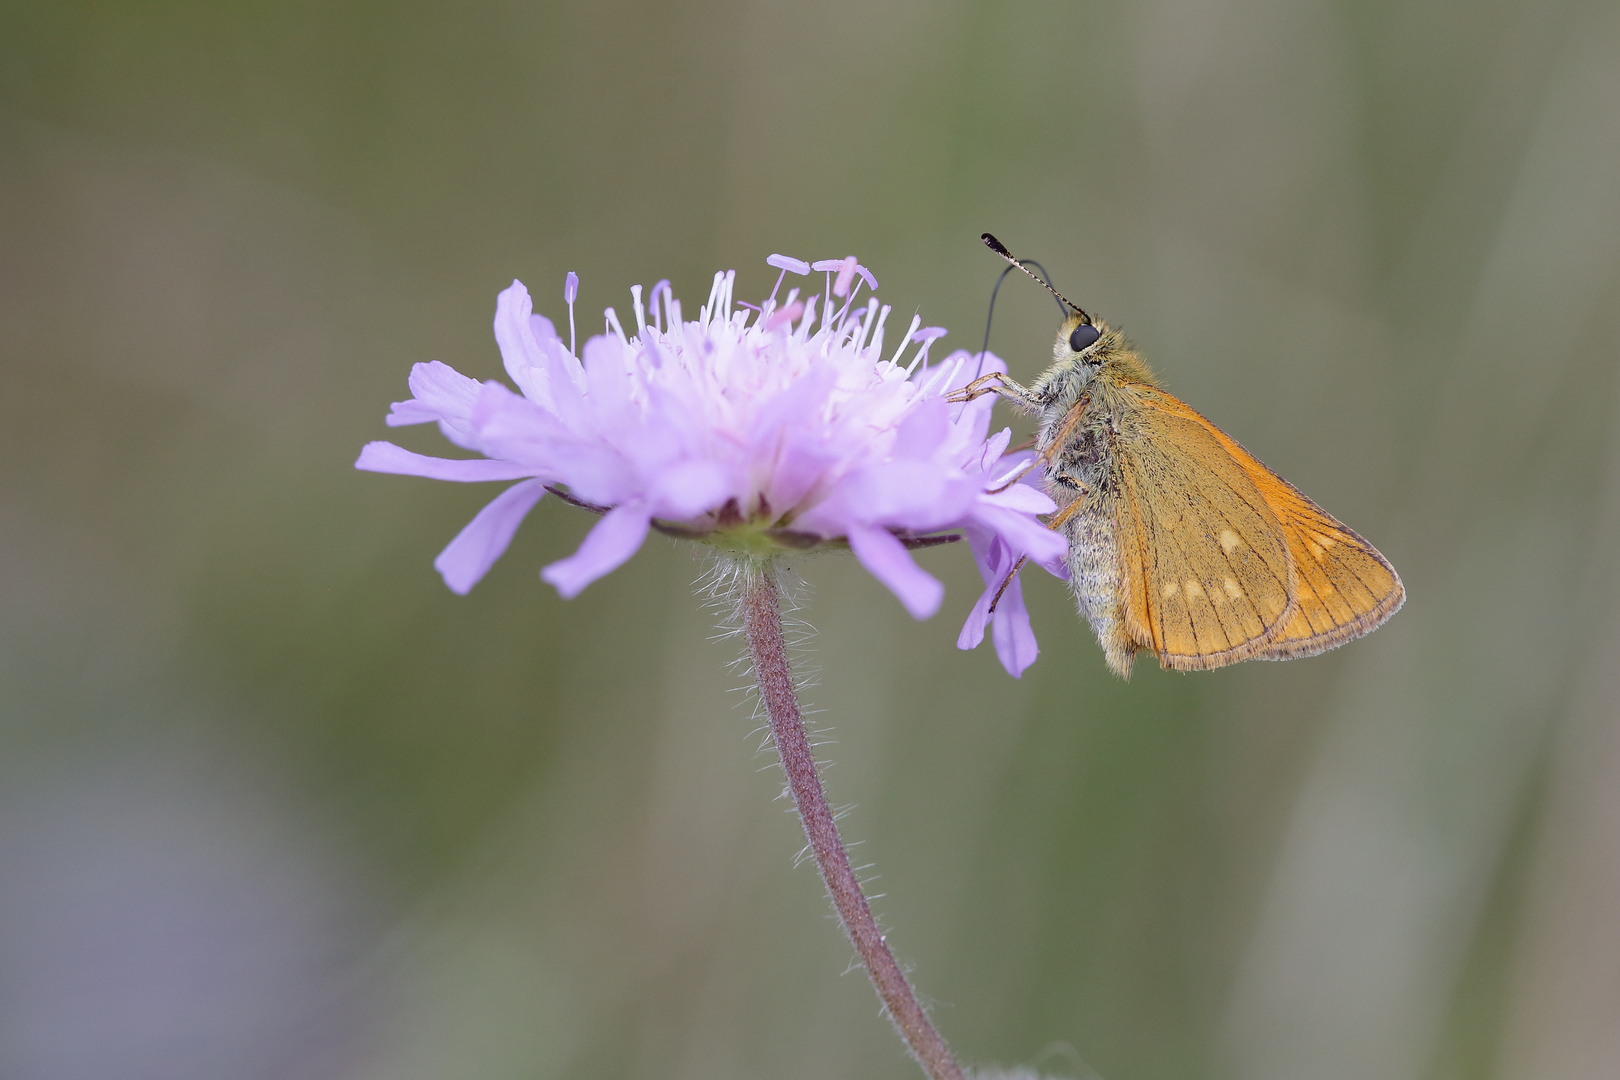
1338, 586
1346, 588
1207, 575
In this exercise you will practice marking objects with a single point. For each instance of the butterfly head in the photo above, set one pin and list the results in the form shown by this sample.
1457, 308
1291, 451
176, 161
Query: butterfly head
1081, 349
1082, 341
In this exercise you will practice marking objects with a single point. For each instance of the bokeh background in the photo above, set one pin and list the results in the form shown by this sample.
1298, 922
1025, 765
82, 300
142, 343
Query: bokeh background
275, 804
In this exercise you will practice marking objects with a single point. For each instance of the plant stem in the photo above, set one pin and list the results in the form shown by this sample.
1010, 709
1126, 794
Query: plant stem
762, 625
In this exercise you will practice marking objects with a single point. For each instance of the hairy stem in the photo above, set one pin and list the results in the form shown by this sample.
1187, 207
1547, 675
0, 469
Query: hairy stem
762, 626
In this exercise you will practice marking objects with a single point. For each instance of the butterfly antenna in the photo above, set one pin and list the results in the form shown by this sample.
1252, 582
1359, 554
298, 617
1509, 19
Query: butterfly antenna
1001, 249
990, 315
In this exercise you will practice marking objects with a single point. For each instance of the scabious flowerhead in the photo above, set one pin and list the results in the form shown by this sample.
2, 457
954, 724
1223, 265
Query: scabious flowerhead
757, 430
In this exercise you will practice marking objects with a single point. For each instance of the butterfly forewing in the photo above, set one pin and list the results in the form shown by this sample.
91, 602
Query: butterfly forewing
1207, 572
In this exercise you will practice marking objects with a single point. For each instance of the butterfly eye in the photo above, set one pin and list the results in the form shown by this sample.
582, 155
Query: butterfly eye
1084, 337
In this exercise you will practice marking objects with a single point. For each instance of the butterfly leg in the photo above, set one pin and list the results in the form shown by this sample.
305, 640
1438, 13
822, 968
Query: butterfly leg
977, 388
1006, 581
1057, 521
1045, 456
997, 382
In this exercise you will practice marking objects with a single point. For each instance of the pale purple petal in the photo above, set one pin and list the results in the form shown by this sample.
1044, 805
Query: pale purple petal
467, 558
1021, 498
1023, 534
515, 428
888, 560
442, 389
906, 494
989, 553
543, 330
528, 345
787, 454
513, 333
978, 618
1014, 638
405, 413
994, 447
922, 431
610, 381
689, 489
607, 547
385, 457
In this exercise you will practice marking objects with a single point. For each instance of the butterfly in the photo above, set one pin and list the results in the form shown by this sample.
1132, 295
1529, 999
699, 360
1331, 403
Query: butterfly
1181, 542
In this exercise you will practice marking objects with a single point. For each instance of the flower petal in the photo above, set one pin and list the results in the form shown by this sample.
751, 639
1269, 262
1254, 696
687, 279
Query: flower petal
514, 334
888, 560
922, 431
405, 413
385, 457
1023, 534
905, 494
438, 388
973, 629
607, 547
1014, 637
995, 446
1020, 497
466, 559
689, 489
989, 553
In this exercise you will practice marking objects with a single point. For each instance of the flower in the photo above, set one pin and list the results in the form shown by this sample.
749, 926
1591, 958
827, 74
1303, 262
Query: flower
756, 430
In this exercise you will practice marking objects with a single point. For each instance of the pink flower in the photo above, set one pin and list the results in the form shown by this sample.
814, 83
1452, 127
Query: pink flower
757, 430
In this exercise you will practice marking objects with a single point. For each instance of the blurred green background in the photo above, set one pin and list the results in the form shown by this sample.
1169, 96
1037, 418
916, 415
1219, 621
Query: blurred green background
275, 804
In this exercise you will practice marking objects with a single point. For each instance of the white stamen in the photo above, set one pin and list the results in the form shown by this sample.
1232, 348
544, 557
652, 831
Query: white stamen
613, 326
570, 292
867, 324
809, 320
927, 336
668, 292
712, 305
916, 321
877, 334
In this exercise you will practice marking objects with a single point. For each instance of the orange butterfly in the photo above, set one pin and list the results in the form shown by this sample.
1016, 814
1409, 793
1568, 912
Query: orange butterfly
1181, 542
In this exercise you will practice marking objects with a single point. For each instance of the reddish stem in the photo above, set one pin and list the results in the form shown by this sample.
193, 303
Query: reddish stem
762, 625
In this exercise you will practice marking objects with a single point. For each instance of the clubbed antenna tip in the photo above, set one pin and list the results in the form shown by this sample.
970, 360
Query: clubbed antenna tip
1001, 249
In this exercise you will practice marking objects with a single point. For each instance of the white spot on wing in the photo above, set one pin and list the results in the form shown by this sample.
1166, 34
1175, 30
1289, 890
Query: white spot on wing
1231, 588
1193, 588
1170, 589
1229, 540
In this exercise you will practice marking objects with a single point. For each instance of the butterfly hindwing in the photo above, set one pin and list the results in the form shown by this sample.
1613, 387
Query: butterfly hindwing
1208, 575
1337, 586
1346, 588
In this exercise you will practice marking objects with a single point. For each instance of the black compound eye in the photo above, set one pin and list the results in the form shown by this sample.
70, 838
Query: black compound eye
1084, 337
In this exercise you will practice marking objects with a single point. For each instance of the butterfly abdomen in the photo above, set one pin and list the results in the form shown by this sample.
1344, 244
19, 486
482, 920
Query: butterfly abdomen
1094, 577
1083, 472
